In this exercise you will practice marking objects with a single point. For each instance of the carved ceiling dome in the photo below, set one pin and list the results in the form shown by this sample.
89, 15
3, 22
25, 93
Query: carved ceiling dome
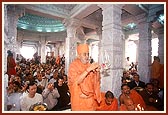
40, 24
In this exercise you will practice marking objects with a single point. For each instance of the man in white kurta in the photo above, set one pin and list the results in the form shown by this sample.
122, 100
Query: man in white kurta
31, 98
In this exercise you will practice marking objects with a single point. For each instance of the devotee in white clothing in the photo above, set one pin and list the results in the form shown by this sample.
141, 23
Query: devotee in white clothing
31, 98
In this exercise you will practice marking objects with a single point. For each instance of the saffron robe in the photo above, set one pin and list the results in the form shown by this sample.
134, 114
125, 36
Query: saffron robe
155, 70
58, 59
161, 78
136, 97
86, 95
148, 108
104, 107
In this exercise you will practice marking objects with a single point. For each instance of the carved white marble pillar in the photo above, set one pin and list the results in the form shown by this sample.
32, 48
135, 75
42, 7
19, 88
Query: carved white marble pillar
125, 50
111, 48
43, 50
62, 48
71, 41
99, 33
53, 49
12, 19
39, 48
161, 38
137, 44
144, 49
13, 13
19, 45
56, 51
6, 41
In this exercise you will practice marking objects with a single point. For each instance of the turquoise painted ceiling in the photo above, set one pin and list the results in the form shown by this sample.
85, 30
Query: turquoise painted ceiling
39, 24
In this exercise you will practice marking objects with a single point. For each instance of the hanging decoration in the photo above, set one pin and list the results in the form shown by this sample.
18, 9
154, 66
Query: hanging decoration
105, 66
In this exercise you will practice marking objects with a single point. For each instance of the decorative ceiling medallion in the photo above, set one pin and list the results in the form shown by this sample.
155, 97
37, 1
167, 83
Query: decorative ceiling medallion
39, 24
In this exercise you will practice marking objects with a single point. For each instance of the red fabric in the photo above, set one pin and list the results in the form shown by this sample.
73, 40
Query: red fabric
90, 88
104, 107
11, 66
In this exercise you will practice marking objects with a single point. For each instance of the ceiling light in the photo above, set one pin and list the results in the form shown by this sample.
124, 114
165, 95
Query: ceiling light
40, 30
161, 18
48, 30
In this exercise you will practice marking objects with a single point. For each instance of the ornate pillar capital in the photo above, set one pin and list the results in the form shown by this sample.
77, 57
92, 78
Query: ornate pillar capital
71, 24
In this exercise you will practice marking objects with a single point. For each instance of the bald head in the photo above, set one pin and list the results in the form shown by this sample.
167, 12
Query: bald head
129, 104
